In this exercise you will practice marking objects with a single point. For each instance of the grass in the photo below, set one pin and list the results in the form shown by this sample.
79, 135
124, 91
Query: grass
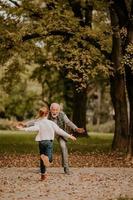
19, 142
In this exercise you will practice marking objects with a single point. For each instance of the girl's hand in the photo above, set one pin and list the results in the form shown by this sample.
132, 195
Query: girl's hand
73, 138
19, 126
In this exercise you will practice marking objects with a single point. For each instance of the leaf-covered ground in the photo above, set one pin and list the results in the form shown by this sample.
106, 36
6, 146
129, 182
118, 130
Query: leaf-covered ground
75, 160
94, 176
83, 184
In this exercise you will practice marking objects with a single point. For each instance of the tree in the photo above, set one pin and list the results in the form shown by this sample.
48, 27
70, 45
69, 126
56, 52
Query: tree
129, 73
78, 44
117, 82
122, 13
17, 99
80, 96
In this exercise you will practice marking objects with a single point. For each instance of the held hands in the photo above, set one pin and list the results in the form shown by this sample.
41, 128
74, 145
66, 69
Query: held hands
80, 130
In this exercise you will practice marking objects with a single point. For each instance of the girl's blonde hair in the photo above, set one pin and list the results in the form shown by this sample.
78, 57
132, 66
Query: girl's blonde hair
43, 112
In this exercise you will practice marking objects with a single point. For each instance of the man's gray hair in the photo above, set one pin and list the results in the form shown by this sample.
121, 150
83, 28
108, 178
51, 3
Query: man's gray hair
54, 105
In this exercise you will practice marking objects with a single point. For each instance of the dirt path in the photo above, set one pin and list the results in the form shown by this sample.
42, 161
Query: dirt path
82, 184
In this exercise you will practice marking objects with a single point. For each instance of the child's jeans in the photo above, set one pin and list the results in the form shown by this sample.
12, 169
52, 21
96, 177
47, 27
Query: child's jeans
46, 148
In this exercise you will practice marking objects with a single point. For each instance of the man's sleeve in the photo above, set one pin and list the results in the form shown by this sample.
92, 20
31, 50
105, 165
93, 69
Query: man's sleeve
69, 123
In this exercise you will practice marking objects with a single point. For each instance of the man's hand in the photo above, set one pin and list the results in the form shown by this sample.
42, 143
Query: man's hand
80, 130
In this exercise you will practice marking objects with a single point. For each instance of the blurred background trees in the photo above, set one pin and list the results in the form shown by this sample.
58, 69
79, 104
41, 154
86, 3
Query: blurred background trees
78, 53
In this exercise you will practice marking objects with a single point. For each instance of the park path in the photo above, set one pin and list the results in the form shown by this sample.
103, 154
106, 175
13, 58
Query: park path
83, 184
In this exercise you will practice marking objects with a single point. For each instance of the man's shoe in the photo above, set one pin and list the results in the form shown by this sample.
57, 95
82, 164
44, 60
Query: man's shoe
66, 170
45, 160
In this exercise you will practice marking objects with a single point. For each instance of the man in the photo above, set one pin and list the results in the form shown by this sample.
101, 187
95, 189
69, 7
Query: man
62, 121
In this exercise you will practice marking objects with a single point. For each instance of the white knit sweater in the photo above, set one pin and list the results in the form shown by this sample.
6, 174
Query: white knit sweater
46, 130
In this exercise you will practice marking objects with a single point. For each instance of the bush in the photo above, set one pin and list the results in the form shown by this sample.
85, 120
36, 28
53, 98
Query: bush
107, 127
6, 124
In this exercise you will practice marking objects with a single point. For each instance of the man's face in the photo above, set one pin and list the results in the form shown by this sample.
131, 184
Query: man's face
54, 112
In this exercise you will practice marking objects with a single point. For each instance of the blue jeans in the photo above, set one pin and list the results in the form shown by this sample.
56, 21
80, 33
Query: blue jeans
46, 148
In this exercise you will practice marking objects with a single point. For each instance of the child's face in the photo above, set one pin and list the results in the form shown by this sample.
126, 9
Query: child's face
54, 112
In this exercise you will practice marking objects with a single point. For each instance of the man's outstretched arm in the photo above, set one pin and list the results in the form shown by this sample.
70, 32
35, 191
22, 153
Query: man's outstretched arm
70, 124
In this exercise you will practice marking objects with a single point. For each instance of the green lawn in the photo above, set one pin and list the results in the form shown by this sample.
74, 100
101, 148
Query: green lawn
20, 142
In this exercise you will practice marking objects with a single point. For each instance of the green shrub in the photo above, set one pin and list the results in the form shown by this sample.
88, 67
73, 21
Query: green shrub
6, 124
107, 127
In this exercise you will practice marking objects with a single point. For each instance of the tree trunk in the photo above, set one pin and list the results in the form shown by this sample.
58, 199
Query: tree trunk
68, 96
117, 84
119, 102
88, 13
129, 83
99, 106
79, 108
80, 97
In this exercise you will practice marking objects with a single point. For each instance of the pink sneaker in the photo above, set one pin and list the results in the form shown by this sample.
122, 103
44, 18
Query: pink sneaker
44, 177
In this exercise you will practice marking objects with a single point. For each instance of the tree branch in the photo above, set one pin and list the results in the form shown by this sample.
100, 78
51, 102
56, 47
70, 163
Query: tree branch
55, 32
122, 12
91, 40
14, 2
32, 36
77, 10
95, 43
